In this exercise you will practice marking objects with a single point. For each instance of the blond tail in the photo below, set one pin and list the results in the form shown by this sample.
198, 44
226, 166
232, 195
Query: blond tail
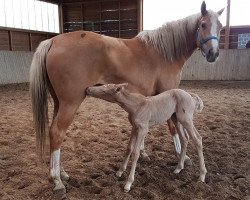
198, 102
39, 93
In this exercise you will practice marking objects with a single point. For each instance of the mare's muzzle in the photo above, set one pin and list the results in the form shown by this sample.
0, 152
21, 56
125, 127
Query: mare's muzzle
211, 55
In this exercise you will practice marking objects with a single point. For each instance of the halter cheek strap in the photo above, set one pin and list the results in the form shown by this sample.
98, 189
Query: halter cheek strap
205, 40
202, 41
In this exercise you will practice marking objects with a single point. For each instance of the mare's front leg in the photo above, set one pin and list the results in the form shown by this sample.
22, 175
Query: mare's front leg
141, 132
176, 139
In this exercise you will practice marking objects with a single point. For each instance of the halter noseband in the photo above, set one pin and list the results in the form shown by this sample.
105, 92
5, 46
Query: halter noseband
202, 41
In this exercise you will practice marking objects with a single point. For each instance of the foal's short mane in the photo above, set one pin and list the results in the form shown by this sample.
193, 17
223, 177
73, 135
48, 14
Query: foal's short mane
173, 39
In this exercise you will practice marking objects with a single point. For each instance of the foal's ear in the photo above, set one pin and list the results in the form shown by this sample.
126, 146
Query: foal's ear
203, 8
121, 86
220, 11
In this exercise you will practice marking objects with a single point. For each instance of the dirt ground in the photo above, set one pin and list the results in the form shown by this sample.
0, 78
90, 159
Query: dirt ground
96, 142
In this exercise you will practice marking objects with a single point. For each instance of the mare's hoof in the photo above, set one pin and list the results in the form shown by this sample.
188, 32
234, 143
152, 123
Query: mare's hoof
60, 193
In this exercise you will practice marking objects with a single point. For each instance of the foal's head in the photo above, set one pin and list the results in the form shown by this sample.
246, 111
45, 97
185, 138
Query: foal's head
106, 92
208, 33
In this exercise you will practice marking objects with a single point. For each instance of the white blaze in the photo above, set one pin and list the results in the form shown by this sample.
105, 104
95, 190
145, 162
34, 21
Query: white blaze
215, 43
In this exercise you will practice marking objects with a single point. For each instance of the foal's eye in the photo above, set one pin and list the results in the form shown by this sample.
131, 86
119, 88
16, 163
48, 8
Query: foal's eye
203, 25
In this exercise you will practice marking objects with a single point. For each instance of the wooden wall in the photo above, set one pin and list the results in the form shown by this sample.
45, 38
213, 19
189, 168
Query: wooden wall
21, 40
232, 64
117, 18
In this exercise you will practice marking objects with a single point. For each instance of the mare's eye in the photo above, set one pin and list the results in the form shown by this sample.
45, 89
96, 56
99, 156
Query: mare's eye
203, 25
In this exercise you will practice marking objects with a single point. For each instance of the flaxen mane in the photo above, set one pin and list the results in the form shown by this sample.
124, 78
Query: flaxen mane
172, 39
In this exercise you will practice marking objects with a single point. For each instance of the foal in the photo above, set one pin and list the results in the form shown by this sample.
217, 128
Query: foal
146, 111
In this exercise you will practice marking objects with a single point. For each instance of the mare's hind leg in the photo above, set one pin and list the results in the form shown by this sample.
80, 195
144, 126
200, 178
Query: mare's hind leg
63, 174
176, 139
57, 132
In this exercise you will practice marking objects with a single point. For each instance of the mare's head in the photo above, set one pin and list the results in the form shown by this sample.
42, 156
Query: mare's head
106, 92
208, 33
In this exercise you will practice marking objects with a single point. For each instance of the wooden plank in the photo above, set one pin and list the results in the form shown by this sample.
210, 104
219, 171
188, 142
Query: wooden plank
20, 41
72, 13
36, 39
4, 40
10, 40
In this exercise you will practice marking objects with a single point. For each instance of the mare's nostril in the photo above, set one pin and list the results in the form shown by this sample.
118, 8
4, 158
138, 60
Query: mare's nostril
210, 52
217, 54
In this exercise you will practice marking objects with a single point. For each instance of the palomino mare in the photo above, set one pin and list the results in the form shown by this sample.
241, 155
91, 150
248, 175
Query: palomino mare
151, 63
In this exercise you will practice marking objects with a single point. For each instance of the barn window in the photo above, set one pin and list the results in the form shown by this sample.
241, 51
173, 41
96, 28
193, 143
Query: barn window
29, 14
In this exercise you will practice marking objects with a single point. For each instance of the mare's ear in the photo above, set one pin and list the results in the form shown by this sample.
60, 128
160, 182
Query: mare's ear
121, 86
220, 11
203, 8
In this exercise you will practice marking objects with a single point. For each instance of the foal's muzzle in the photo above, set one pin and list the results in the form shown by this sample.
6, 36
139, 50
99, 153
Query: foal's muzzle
87, 91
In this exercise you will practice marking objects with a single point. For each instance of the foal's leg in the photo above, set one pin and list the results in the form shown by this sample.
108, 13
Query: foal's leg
130, 146
57, 132
203, 169
140, 134
176, 139
143, 153
184, 142
195, 136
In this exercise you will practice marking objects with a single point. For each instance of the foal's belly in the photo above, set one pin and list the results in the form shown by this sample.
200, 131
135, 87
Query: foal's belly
159, 118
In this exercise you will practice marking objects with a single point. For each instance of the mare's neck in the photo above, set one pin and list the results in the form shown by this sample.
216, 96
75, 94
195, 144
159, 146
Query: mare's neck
174, 40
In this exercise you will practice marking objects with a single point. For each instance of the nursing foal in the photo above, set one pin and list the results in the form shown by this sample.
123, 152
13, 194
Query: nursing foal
146, 111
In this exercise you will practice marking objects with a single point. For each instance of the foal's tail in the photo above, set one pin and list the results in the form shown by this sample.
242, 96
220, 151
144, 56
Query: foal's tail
39, 93
198, 102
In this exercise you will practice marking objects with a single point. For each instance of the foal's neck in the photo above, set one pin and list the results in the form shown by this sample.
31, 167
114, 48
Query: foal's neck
130, 101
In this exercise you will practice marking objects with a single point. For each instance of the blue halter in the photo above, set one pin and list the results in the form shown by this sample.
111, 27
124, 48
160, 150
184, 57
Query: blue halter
202, 41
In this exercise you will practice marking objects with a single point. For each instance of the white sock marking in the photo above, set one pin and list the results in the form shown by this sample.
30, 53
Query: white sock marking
177, 143
55, 164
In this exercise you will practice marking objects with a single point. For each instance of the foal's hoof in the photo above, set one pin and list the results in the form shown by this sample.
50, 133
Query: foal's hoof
188, 161
127, 188
202, 178
119, 173
65, 177
145, 158
177, 170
